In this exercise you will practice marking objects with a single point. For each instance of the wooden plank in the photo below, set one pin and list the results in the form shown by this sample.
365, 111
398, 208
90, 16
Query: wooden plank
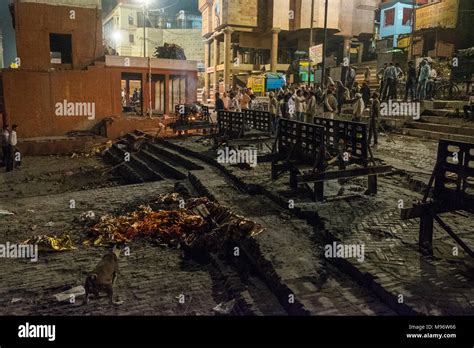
341, 174
432, 208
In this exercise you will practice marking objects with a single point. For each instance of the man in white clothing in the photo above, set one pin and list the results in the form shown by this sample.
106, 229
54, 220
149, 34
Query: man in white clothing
13, 153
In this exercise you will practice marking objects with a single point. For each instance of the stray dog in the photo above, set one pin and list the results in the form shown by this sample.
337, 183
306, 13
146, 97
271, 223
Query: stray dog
102, 279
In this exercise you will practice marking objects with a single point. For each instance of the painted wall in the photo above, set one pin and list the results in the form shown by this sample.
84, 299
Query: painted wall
397, 28
34, 23
31, 97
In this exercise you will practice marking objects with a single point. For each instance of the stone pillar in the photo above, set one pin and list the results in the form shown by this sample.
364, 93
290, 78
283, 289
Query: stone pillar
274, 51
361, 52
347, 48
227, 56
217, 47
207, 79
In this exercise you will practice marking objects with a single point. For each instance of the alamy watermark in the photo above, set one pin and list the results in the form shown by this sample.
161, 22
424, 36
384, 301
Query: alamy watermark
66, 108
37, 331
345, 251
19, 251
398, 108
232, 156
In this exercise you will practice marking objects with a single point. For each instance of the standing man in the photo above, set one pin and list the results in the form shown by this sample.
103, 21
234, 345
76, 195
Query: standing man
390, 78
12, 150
365, 91
380, 75
234, 104
351, 78
4, 140
273, 109
272, 104
219, 103
311, 105
431, 84
300, 105
330, 104
411, 82
245, 100
358, 108
399, 76
374, 116
423, 79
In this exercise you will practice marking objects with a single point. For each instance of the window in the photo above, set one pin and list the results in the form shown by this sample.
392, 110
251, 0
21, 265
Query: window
389, 18
407, 16
60, 46
116, 20
131, 38
130, 20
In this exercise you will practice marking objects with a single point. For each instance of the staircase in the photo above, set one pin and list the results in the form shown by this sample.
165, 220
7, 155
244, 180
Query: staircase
441, 120
360, 73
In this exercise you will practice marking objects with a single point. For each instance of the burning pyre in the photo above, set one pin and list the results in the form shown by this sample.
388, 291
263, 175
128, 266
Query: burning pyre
197, 223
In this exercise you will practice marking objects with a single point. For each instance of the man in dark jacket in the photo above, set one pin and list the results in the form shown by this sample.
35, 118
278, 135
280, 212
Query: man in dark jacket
374, 116
411, 82
219, 103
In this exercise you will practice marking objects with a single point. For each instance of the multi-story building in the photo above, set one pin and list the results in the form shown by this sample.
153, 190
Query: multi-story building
62, 61
442, 27
1, 49
262, 35
396, 18
124, 31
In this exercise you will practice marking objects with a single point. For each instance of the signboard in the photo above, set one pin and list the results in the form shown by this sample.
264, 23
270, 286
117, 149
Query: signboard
257, 83
55, 57
404, 42
316, 54
304, 71
442, 14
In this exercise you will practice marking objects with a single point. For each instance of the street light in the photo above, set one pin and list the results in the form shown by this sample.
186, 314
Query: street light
146, 3
116, 37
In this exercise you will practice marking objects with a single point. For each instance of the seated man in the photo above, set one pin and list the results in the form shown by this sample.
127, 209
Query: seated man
469, 109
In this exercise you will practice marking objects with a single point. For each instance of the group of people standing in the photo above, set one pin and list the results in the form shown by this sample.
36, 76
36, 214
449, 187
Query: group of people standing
9, 148
238, 100
420, 84
302, 103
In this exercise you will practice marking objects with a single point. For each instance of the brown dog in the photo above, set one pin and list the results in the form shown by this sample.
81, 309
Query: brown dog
102, 279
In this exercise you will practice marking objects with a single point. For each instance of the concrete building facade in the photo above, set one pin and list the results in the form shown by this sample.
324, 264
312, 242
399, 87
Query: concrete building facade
242, 37
123, 31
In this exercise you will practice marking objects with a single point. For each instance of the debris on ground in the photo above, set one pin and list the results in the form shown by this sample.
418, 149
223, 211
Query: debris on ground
225, 307
16, 299
199, 224
70, 294
52, 243
88, 217
96, 149
6, 212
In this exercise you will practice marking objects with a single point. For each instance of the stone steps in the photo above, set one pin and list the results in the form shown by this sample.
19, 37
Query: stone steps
442, 128
440, 112
446, 120
427, 134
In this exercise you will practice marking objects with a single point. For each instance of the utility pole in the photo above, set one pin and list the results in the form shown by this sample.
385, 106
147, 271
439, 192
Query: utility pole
145, 16
310, 43
323, 75
413, 28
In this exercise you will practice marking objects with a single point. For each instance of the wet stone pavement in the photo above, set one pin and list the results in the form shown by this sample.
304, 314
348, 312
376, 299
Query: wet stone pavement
393, 267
